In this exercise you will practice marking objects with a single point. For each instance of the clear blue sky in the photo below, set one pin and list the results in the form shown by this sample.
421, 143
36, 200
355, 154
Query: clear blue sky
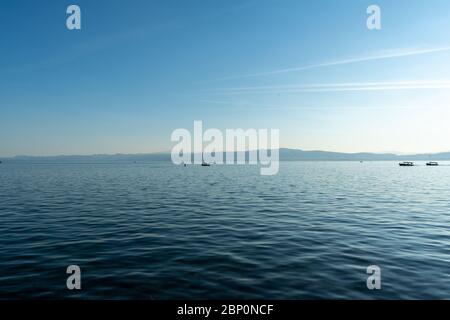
139, 69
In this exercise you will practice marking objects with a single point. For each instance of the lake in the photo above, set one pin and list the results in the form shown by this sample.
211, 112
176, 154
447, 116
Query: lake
158, 231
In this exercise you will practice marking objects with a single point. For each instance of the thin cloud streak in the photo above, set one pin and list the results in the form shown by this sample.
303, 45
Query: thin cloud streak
247, 105
381, 88
339, 84
398, 53
336, 87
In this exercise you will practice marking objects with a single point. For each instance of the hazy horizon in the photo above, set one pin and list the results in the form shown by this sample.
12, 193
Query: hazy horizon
167, 152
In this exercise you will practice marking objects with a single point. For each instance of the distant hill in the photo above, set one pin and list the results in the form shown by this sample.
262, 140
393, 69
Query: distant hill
285, 155
98, 158
300, 155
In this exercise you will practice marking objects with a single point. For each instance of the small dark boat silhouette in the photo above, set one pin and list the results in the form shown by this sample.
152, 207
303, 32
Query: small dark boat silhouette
204, 164
406, 164
432, 164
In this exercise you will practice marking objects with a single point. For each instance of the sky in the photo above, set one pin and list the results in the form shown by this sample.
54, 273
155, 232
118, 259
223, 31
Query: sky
139, 69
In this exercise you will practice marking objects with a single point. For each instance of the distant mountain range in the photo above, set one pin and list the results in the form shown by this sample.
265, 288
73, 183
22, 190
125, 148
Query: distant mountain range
285, 155
300, 155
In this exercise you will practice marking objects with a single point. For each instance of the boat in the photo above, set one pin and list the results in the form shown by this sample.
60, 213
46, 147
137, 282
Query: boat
205, 164
432, 164
406, 164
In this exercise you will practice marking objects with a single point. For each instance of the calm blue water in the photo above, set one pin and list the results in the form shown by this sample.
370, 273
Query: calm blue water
156, 231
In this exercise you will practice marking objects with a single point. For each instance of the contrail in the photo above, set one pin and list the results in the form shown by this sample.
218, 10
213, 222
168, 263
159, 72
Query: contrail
398, 53
250, 105
335, 87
